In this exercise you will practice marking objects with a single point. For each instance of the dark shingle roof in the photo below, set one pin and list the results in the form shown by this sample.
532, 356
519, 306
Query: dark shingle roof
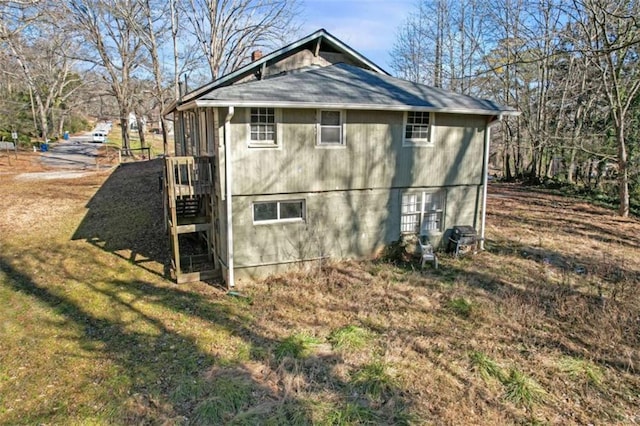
347, 86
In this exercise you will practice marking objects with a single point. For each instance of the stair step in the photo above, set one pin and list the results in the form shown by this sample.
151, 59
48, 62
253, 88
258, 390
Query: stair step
188, 207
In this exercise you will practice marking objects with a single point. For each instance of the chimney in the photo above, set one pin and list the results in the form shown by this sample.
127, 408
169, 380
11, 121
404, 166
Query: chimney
255, 55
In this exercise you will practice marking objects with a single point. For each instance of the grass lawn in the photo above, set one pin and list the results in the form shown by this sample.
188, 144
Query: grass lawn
542, 328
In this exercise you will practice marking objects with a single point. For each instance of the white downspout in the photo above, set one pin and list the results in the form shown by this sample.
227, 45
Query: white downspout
485, 177
227, 167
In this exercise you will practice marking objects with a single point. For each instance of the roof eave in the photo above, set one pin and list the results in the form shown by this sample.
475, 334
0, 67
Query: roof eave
204, 103
169, 108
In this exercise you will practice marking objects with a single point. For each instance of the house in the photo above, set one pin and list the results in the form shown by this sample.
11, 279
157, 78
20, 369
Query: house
313, 151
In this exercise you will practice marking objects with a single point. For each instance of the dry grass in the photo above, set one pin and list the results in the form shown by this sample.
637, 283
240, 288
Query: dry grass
541, 328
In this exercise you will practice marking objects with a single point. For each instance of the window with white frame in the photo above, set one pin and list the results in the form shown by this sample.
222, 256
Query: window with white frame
278, 211
330, 127
262, 127
418, 128
422, 212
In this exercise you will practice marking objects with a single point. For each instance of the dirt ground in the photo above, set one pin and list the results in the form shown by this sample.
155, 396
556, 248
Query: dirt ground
26, 161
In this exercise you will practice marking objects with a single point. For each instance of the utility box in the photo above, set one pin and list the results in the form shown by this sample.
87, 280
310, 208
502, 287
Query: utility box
462, 238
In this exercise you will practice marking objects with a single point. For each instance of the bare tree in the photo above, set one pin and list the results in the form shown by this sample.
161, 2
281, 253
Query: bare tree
611, 41
173, 5
440, 44
227, 30
41, 53
411, 54
154, 25
110, 28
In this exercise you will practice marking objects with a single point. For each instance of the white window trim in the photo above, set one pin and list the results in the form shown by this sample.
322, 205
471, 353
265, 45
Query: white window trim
421, 193
275, 221
270, 144
419, 142
343, 119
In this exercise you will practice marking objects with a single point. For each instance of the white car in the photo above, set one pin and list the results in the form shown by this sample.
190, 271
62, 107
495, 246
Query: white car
99, 137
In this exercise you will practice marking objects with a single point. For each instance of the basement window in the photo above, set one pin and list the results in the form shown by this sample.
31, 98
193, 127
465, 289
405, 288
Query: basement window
278, 211
418, 128
422, 212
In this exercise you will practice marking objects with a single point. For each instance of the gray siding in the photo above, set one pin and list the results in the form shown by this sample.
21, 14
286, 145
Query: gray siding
372, 158
352, 194
338, 224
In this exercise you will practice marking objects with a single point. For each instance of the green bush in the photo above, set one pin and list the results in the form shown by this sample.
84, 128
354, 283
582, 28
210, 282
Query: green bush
23, 140
76, 123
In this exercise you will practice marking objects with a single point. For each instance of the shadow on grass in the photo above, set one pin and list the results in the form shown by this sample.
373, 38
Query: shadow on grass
168, 375
126, 216
560, 307
567, 216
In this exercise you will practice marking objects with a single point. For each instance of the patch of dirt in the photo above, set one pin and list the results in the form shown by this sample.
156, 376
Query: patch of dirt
51, 175
26, 162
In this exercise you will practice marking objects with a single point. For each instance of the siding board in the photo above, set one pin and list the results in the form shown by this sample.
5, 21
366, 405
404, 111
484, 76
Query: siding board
338, 224
372, 158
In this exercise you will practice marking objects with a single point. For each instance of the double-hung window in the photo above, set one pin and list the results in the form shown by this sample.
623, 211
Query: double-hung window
330, 128
418, 128
278, 211
422, 212
262, 127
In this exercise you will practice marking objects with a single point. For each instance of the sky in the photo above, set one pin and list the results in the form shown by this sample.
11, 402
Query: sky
368, 26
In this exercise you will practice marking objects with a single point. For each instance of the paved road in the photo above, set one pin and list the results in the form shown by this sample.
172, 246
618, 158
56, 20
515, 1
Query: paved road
76, 153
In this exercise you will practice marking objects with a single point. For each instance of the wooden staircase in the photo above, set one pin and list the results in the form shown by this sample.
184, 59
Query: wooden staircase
188, 207
188, 215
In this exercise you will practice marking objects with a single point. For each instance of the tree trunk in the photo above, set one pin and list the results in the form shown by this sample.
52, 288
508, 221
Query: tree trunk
571, 171
507, 166
140, 125
124, 127
63, 115
165, 136
623, 172
44, 122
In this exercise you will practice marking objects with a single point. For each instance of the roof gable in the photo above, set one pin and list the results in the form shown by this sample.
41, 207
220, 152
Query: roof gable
319, 40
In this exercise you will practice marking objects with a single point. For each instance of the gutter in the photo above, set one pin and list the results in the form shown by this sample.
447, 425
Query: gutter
207, 103
227, 168
485, 175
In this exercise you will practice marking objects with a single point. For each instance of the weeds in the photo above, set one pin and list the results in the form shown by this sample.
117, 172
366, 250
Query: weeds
582, 370
374, 380
350, 414
228, 396
350, 338
522, 390
519, 389
297, 345
487, 367
461, 307
287, 412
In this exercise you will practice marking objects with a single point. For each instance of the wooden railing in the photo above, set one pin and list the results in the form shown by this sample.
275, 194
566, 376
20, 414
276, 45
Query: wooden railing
189, 176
